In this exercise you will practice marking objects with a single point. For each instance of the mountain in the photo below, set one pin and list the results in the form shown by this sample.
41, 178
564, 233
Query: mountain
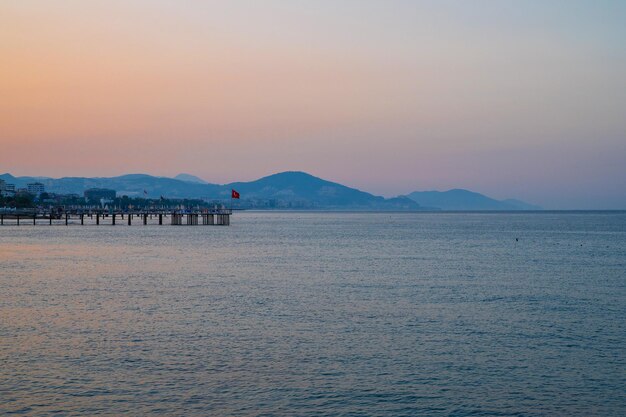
10, 179
309, 191
132, 185
299, 186
190, 178
287, 190
458, 199
283, 190
521, 205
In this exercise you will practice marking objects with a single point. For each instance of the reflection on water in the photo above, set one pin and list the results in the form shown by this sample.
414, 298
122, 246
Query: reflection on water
309, 313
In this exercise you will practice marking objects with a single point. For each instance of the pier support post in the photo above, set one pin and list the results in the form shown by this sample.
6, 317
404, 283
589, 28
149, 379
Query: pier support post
82, 219
145, 219
50, 218
113, 219
66, 218
35, 220
160, 219
130, 216
97, 219
18, 220
2, 219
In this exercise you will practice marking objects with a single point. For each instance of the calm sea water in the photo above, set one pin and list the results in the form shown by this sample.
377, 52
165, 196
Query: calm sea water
318, 314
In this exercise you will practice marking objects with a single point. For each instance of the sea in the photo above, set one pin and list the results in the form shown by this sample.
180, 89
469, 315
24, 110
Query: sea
317, 314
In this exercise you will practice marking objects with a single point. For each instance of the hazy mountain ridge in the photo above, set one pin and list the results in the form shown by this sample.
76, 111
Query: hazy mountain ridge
130, 184
292, 189
459, 199
190, 178
308, 191
283, 190
305, 187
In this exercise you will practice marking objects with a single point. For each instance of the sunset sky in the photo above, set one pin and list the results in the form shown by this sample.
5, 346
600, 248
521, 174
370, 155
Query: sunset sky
523, 99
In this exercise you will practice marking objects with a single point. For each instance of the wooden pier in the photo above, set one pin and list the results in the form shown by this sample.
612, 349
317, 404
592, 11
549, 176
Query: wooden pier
207, 217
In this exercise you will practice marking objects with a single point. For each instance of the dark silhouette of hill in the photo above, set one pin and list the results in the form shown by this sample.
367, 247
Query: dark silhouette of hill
303, 187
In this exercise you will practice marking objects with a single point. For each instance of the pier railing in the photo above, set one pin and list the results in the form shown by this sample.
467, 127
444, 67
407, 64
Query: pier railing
205, 217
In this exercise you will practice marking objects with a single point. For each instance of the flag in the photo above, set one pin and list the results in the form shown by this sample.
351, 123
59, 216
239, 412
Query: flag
234, 194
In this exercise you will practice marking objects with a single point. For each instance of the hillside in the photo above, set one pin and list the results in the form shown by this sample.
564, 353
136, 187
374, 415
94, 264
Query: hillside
459, 199
292, 189
131, 185
283, 190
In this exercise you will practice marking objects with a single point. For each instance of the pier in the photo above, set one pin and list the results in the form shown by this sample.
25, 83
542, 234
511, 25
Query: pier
206, 217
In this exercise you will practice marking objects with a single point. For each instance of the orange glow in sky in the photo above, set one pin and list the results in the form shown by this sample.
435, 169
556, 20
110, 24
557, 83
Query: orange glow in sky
521, 99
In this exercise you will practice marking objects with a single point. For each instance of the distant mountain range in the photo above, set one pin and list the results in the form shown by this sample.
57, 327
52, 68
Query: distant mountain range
190, 178
458, 199
282, 190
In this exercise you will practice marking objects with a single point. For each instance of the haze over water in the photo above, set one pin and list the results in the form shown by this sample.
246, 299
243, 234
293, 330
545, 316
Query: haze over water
318, 314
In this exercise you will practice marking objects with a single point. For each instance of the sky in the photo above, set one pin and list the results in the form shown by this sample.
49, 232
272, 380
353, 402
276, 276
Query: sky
515, 99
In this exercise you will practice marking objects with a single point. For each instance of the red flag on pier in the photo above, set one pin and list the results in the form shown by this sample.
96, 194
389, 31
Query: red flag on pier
234, 194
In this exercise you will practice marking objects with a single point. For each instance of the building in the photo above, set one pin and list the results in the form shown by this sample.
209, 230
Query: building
6, 190
35, 188
96, 194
